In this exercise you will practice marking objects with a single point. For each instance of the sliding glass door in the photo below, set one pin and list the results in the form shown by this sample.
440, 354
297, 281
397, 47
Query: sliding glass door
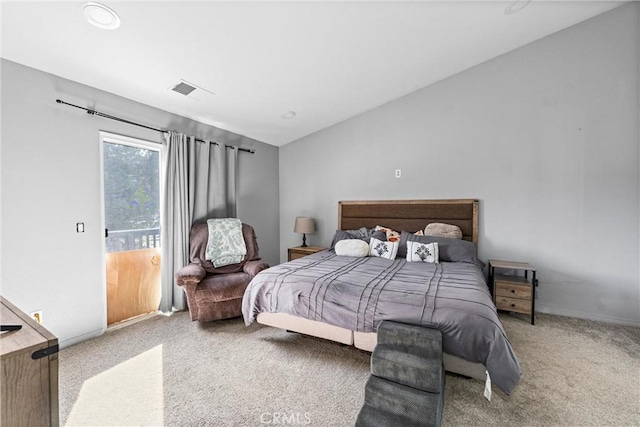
131, 179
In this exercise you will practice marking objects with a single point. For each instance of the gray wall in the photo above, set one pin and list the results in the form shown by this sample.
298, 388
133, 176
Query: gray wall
546, 137
51, 180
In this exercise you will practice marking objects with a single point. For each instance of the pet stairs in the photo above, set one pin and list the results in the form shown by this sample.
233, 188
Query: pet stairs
406, 386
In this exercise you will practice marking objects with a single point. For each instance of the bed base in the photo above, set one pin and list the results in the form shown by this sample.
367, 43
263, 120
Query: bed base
362, 340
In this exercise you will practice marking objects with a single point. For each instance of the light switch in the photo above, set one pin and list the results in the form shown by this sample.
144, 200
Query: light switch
80, 227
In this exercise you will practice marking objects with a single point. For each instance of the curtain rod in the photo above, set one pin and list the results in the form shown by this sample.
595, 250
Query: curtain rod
118, 119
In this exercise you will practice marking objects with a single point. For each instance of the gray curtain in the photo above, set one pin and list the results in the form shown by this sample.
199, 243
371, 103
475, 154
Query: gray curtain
199, 183
232, 181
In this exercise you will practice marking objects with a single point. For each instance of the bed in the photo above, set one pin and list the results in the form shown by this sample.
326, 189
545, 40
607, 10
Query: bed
344, 298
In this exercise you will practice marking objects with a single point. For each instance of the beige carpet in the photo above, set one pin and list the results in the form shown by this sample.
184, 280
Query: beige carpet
170, 371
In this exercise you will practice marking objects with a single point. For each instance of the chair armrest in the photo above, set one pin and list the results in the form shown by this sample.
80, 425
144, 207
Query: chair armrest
254, 267
190, 274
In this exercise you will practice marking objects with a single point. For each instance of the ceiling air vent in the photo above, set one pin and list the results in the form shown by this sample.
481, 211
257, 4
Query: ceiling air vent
183, 88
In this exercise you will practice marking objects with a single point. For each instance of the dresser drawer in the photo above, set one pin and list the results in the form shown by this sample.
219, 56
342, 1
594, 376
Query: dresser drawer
513, 304
513, 290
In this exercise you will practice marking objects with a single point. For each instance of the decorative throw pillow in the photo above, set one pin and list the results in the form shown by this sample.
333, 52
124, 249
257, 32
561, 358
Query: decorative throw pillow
449, 250
422, 252
361, 233
402, 247
352, 247
392, 236
347, 234
439, 229
378, 248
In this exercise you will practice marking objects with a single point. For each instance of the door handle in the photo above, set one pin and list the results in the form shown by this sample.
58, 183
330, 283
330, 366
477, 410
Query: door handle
106, 233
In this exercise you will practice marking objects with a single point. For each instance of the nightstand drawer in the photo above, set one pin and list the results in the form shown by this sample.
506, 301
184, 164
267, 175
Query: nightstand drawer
513, 304
512, 290
303, 251
296, 255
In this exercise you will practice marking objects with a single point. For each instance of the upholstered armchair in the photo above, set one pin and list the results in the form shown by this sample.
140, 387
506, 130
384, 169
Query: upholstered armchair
216, 293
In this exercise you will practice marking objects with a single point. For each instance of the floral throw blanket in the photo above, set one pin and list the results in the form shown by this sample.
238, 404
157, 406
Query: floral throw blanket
226, 243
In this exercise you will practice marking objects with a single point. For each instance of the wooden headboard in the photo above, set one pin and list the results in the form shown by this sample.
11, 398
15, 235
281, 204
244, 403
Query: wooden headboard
410, 215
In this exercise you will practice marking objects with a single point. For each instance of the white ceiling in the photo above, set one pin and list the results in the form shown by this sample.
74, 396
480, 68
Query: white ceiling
327, 61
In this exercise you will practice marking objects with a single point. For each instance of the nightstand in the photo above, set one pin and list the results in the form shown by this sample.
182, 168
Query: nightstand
515, 293
299, 251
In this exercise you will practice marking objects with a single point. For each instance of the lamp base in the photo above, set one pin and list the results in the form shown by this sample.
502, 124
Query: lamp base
304, 241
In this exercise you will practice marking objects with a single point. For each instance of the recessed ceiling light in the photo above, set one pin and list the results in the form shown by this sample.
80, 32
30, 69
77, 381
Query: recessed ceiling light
101, 16
515, 6
289, 115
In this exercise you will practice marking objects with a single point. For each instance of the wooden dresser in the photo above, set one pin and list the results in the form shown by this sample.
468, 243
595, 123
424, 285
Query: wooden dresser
29, 371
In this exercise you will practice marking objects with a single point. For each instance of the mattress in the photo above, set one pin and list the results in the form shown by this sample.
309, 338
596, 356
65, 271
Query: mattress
358, 293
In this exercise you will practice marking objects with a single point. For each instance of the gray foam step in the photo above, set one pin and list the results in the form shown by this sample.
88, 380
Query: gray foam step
423, 342
399, 405
396, 364
373, 417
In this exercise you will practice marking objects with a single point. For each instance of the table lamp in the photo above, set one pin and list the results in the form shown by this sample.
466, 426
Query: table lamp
304, 225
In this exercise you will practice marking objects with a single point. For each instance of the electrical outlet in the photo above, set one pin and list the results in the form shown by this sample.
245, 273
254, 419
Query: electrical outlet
398, 173
36, 315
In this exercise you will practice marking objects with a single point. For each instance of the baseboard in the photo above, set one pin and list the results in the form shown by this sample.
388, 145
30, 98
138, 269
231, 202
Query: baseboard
83, 337
111, 328
590, 316
131, 321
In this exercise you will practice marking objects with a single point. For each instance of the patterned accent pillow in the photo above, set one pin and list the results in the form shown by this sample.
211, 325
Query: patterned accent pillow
422, 252
378, 248
402, 249
392, 235
449, 250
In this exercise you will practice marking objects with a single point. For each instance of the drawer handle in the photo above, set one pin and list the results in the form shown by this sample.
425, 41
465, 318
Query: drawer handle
513, 305
513, 291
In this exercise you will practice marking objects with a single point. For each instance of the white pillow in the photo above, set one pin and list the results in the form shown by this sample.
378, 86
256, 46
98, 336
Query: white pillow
352, 247
422, 252
381, 249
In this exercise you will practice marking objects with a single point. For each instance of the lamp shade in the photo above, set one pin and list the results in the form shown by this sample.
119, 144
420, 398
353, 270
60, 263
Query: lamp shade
304, 225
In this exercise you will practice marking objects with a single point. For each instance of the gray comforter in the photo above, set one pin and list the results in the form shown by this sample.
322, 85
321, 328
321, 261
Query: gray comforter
358, 293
